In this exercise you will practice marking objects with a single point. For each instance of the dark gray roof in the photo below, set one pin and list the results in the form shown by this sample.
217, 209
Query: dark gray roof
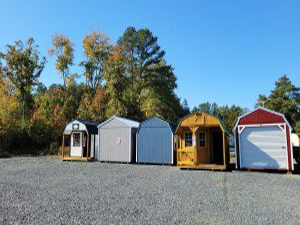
90, 126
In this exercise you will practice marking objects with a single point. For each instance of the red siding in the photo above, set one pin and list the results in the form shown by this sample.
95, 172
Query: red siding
261, 116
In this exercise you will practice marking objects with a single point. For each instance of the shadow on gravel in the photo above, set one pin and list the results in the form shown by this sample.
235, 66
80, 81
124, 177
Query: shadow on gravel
296, 169
4, 154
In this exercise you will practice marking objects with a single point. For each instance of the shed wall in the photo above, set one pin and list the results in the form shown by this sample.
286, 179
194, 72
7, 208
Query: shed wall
155, 142
155, 145
115, 144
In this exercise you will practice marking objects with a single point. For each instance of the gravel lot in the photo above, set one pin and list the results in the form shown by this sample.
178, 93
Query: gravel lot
45, 190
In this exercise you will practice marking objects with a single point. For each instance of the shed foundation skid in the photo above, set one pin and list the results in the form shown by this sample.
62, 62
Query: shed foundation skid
78, 159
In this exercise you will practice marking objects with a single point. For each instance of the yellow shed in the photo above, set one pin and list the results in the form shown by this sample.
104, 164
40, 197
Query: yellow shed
202, 142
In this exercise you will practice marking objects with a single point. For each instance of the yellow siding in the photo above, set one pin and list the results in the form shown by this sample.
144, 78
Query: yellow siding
195, 156
197, 119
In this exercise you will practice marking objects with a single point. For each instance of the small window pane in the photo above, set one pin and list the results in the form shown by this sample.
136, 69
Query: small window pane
76, 139
188, 139
202, 139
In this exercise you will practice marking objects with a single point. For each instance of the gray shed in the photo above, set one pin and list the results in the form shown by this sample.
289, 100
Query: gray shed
117, 140
155, 142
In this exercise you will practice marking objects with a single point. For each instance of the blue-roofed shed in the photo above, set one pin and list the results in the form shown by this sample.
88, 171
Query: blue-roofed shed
155, 142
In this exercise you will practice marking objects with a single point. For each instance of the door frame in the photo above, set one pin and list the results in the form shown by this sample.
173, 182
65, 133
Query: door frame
282, 126
207, 147
72, 141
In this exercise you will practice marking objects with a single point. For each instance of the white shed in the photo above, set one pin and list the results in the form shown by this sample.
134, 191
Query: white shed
82, 140
263, 141
117, 140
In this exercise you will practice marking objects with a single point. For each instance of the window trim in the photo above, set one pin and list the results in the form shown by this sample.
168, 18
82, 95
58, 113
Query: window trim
73, 142
202, 139
185, 139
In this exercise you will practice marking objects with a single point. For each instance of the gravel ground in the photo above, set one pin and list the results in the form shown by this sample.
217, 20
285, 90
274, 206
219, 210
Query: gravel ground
45, 190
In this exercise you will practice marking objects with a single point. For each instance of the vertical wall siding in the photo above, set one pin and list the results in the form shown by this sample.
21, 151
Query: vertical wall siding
154, 142
114, 144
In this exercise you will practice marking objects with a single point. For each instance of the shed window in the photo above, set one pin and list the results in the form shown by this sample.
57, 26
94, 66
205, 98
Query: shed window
188, 139
76, 139
202, 140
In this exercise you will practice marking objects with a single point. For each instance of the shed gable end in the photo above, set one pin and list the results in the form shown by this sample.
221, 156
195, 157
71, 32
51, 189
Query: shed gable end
155, 122
113, 123
261, 116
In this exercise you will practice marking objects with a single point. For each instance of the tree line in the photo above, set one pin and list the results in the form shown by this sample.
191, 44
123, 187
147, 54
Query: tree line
130, 78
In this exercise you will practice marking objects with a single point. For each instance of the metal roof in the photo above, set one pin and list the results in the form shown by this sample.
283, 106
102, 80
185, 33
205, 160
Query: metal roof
158, 118
265, 109
127, 122
91, 127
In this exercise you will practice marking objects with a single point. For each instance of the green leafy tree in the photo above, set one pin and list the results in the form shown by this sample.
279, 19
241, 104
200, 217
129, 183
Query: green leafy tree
150, 80
62, 48
22, 68
117, 83
285, 98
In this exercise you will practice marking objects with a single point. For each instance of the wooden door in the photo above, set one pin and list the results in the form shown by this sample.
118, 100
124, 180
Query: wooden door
203, 146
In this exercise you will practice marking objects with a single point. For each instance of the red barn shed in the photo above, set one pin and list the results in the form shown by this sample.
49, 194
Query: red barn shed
263, 141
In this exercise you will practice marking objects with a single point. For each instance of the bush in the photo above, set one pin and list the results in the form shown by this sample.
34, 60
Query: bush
54, 148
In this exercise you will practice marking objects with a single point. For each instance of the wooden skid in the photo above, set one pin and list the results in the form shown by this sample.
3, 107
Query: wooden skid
78, 159
266, 170
203, 166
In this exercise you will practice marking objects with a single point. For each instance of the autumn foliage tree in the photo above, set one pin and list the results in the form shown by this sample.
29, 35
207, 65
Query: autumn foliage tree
62, 48
97, 49
22, 68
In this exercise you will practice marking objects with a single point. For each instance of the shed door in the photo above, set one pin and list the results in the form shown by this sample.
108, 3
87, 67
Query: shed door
263, 147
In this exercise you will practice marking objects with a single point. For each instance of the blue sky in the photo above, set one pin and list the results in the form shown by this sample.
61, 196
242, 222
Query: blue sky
223, 51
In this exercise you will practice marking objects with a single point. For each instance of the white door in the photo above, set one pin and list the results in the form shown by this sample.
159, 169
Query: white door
76, 144
263, 147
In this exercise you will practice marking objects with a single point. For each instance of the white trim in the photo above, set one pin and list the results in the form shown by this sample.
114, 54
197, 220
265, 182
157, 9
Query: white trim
241, 126
136, 147
260, 125
240, 157
267, 110
172, 139
286, 145
121, 120
98, 153
130, 146
291, 147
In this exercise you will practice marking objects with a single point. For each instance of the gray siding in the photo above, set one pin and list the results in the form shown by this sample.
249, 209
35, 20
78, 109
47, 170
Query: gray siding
117, 140
114, 144
114, 123
155, 142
